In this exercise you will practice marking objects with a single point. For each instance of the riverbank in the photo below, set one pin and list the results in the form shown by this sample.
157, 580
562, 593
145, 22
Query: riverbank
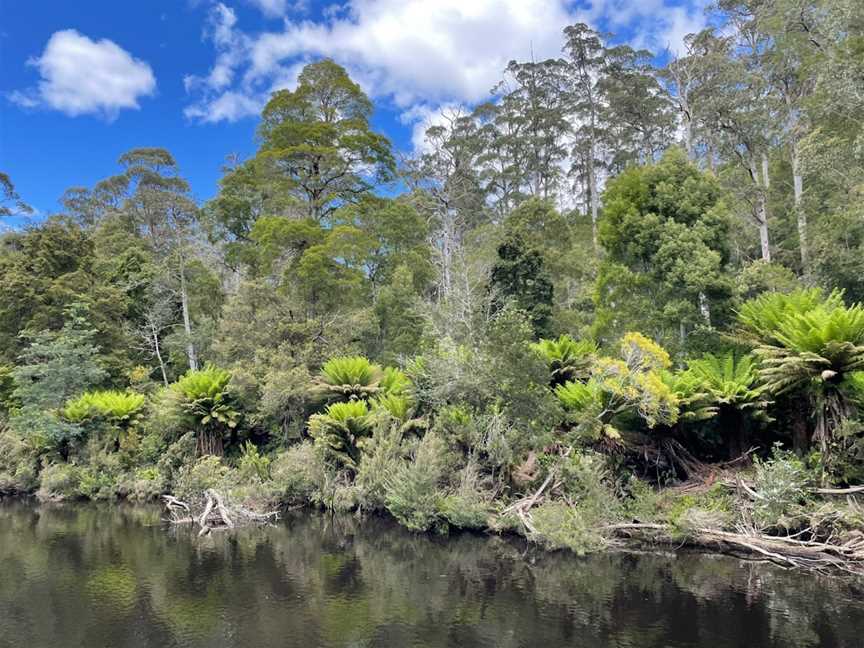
768, 511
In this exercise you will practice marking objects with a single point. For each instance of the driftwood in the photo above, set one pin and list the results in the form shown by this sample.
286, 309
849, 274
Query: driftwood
789, 552
215, 515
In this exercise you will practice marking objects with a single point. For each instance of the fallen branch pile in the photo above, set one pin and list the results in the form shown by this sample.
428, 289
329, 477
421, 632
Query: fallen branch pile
784, 551
215, 514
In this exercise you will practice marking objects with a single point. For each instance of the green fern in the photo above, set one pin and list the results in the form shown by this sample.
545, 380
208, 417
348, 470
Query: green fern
121, 408
349, 377
567, 358
204, 396
341, 431
812, 345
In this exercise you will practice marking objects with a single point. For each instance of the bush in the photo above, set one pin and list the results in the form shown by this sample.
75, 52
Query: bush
781, 483
253, 466
206, 473
298, 473
468, 507
58, 482
143, 485
383, 455
559, 526
411, 492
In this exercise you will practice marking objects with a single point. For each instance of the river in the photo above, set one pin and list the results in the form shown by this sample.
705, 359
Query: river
89, 576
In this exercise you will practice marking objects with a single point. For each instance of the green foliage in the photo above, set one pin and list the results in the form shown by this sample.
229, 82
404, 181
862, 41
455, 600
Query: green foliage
317, 138
120, 408
666, 231
342, 431
781, 485
633, 384
567, 358
204, 396
809, 344
252, 465
298, 473
349, 377
412, 489
520, 278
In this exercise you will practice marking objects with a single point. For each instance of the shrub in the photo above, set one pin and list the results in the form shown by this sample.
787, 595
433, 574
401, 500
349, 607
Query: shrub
58, 482
144, 484
253, 466
411, 491
298, 473
632, 384
468, 507
382, 456
559, 526
781, 484
206, 473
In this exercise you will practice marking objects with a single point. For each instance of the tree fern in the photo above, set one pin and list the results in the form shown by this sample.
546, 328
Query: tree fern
341, 431
808, 344
567, 358
349, 377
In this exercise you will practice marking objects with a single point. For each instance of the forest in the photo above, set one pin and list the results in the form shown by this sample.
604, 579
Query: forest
620, 300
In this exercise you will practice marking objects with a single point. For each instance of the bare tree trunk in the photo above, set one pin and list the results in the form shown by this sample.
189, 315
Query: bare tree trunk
705, 308
158, 353
187, 320
688, 136
592, 183
761, 208
798, 190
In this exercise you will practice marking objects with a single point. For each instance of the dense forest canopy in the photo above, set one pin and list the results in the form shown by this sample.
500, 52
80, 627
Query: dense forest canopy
608, 266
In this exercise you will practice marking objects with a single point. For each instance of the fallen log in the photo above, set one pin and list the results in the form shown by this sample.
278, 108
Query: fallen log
817, 556
216, 513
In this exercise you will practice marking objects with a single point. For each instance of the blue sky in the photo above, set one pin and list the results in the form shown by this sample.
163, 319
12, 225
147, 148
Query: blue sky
81, 82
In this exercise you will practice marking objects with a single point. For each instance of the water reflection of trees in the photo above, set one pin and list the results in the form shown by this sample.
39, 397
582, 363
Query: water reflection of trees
99, 576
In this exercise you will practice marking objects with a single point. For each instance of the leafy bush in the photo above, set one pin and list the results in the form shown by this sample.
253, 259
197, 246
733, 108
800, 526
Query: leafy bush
58, 481
412, 489
208, 472
559, 526
468, 507
781, 484
383, 454
253, 466
298, 473
143, 484
635, 383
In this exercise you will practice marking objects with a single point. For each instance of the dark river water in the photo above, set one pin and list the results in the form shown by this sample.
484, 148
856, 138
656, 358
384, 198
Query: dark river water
116, 577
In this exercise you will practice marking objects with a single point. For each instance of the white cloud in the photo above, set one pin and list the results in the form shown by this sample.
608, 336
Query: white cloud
422, 52
271, 8
81, 76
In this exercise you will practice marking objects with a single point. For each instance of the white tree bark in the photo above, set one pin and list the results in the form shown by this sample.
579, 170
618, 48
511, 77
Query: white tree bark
187, 320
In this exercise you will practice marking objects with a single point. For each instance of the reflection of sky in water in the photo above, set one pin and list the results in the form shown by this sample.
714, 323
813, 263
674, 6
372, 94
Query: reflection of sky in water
98, 576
